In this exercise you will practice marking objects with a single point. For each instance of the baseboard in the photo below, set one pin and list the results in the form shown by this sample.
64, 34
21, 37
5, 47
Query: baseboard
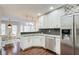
31, 47
52, 51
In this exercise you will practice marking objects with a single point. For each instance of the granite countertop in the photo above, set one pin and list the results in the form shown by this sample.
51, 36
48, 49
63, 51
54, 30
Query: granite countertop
30, 32
49, 28
41, 34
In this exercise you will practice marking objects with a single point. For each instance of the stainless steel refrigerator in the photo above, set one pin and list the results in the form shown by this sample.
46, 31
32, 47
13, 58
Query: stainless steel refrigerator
70, 34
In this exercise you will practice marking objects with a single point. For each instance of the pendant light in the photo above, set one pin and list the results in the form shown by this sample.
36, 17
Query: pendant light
9, 30
9, 25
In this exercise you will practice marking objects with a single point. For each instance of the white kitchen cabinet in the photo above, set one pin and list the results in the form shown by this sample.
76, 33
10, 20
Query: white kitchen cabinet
38, 41
66, 21
50, 43
55, 18
27, 41
46, 42
57, 46
51, 20
53, 44
44, 22
41, 22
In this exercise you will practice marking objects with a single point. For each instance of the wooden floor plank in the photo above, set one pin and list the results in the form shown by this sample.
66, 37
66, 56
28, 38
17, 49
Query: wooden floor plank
37, 51
29, 51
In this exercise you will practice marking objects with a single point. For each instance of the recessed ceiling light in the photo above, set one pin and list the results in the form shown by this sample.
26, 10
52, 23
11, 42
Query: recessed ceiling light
51, 8
39, 14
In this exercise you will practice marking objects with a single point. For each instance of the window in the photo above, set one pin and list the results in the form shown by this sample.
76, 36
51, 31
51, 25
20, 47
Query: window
28, 27
2, 29
14, 30
21, 28
32, 26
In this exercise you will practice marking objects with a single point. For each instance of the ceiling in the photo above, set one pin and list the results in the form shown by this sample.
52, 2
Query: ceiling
23, 10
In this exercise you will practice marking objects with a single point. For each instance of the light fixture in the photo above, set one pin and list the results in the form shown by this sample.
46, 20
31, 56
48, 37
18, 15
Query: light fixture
51, 8
39, 14
9, 25
9, 30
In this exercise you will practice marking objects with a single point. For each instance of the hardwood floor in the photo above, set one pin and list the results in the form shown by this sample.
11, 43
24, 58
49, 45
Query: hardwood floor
37, 51
11, 49
15, 50
68, 50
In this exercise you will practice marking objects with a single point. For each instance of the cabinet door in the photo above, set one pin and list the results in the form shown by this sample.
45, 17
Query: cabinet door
57, 47
53, 20
44, 22
49, 43
55, 17
41, 21
35, 41
46, 42
38, 41
52, 44
25, 42
67, 22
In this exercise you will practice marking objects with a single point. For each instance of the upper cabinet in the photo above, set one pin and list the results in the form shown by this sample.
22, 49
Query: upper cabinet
44, 22
67, 22
51, 20
41, 22
54, 19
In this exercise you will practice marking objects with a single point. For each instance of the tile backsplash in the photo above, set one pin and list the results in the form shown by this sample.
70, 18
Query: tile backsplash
50, 31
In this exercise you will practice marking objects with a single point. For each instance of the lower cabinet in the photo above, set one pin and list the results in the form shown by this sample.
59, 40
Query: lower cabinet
38, 41
50, 43
57, 47
46, 42
29, 41
25, 42
53, 44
